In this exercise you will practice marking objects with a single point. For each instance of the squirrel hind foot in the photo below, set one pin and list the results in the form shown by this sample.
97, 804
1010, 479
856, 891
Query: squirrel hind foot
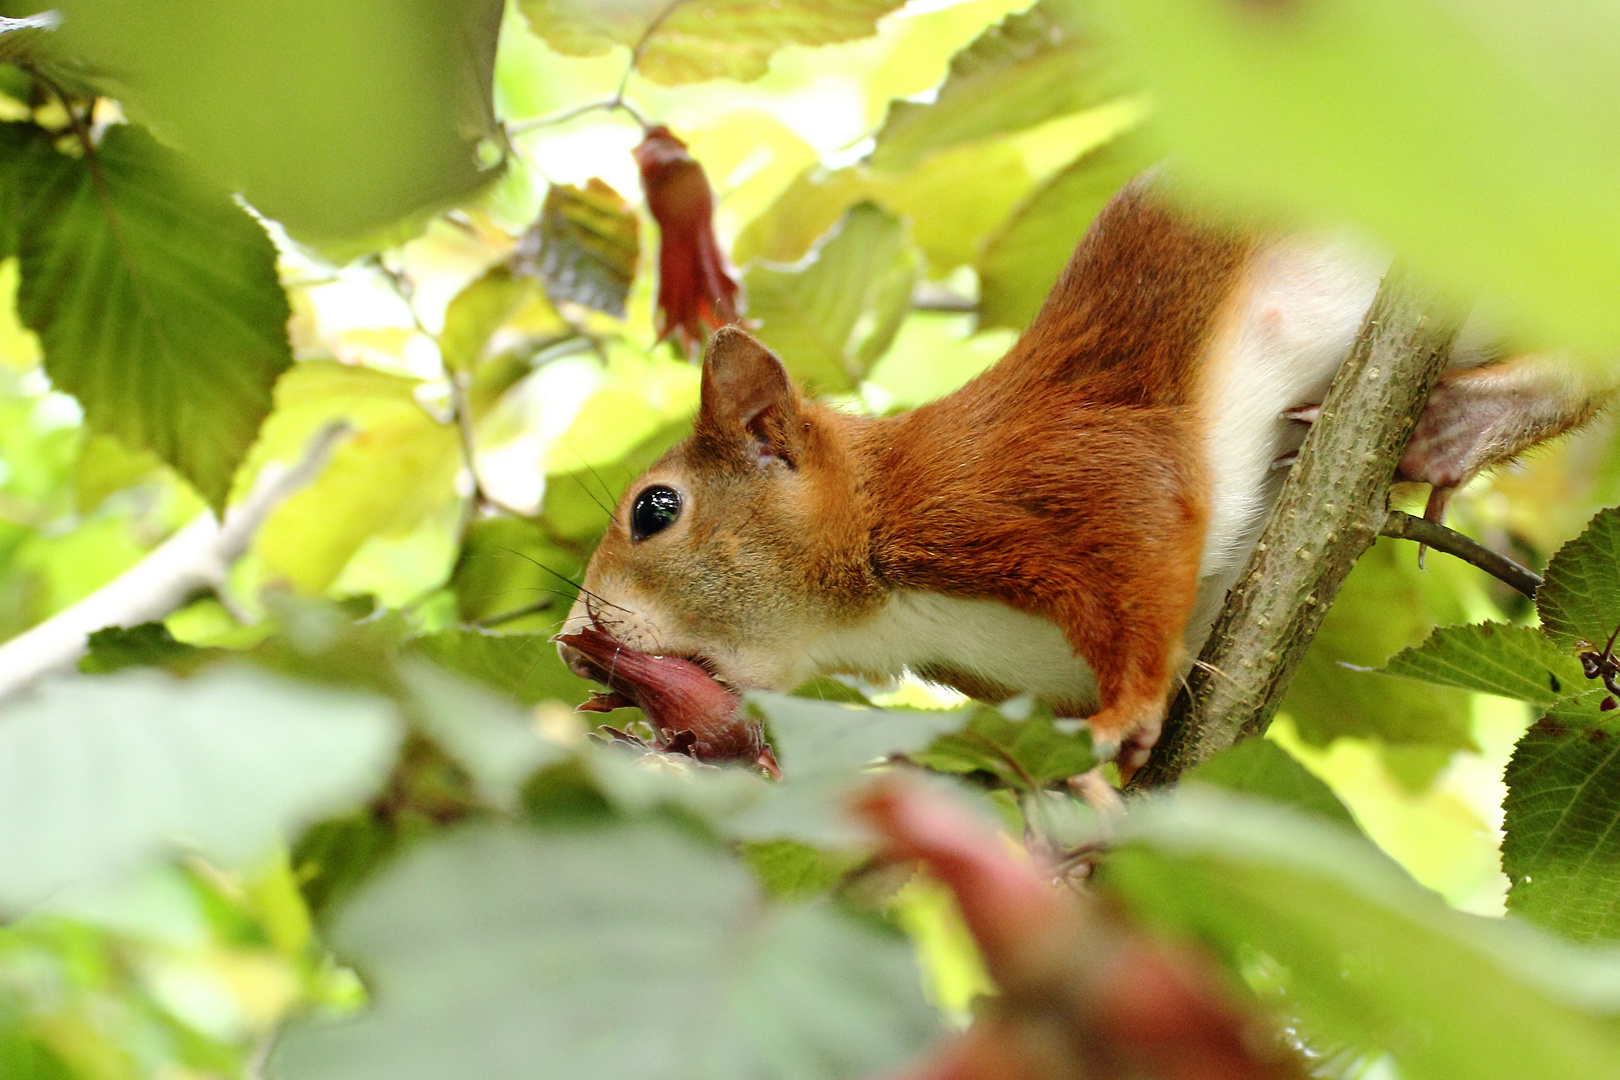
1126, 735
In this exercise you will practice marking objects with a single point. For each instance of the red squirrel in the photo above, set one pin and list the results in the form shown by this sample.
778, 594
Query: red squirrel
1065, 524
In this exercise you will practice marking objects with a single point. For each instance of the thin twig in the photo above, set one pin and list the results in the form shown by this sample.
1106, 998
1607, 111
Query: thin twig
1404, 526
562, 116
198, 556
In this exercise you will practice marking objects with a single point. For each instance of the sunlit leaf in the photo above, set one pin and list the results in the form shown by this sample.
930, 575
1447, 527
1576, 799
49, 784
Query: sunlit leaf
479, 311
1493, 658
335, 117
1029, 67
100, 773
1261, 768
1580, 600
1561, 851
1363, 955
157, 302
481, 964
953, 200
584, 247
383, 479
830, 319
1478, 139
690, 42
1021, 262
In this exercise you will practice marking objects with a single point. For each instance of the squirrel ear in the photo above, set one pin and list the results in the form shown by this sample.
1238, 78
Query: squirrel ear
747, 391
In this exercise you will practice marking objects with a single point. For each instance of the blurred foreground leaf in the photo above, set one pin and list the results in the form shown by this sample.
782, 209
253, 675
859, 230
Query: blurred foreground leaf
608, 953
1478, 139
99, 773
830, 318
1561, 851
335, 117
157, 302
1262, 769
690, 42
1361, 953
1026, 752
1029, 67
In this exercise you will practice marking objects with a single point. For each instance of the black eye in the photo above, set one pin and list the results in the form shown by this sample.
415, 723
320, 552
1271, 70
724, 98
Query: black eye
655, 510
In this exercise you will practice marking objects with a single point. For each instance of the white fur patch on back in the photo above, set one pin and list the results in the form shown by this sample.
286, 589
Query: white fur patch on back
1294, 322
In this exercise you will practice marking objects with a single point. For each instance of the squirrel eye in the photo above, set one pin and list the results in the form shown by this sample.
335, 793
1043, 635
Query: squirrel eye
655, 510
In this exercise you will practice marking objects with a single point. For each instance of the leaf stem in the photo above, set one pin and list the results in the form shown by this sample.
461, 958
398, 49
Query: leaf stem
1404, 526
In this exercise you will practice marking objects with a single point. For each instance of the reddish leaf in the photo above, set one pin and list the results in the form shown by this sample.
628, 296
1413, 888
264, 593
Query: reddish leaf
697, 291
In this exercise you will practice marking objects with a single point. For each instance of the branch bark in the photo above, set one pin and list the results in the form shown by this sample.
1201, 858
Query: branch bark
197, 556
1332, 506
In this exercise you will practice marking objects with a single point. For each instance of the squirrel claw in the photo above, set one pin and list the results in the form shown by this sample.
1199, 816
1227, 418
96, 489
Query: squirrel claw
1305, 414
1286, 461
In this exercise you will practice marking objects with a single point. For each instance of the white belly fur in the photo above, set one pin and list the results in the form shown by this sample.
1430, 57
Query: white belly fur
1279, 346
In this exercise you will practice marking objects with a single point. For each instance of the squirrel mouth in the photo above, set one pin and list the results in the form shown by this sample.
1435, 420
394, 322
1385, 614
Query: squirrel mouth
691, 710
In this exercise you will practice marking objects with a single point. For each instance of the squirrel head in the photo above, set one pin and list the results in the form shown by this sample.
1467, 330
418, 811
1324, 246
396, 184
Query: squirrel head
744, 543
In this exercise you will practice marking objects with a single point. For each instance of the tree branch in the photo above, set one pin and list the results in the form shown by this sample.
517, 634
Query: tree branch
198, 556
1333, 505
1404, 526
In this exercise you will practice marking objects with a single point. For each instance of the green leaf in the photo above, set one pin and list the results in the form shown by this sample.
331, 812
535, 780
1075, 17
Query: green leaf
1476, 139
97, 774
731, 39
584, 247
1029, 67
952, 201
337, 118
509, 565
830, 319
1561, 851
1020, 263
790, 870
1492, 658
825, 749
147, 645
396, 470
497, 744
524, 668
1333, 931
481, 309
156, 299
1019, 743
1579, 601
1261, 768
1385, 605
609, 953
